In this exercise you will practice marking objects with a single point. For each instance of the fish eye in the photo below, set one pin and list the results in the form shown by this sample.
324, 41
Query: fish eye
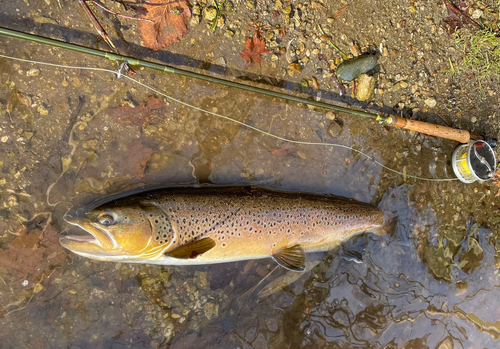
106, 219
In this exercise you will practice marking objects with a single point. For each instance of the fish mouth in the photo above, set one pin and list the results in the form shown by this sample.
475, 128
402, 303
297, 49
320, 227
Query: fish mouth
97, 243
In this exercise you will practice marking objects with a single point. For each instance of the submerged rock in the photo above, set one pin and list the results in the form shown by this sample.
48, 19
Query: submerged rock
365, 87
335, 128
353, 68
295, 67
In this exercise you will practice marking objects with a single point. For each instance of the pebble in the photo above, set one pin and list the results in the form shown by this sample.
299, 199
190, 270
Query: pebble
430, 102
295, 67
355, 50
477, 14
195, 20
399, 85
228, 33
210, 13
25, 99
330, 115
42, 110
4, 139
33, 72
196, 10
211, 310
365, 87
76, 82
287, 10
220, 22
335, 129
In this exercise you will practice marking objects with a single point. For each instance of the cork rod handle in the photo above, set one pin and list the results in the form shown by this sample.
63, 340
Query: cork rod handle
461, 136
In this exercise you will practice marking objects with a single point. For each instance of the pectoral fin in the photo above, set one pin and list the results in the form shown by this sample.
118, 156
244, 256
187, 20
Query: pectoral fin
192, 249
292, 258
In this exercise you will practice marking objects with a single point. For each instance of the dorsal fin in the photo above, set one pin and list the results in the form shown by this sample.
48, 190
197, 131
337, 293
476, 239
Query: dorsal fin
292, 258
192, 250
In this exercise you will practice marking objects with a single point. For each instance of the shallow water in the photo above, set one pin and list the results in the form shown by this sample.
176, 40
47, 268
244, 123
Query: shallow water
84, 135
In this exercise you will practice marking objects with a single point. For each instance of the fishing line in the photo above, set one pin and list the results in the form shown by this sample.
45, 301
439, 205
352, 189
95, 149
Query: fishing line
118, 74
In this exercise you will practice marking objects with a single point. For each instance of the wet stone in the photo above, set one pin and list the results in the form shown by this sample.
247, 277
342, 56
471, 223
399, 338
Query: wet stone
295, 67
211, 310
210, 13
430, 102
287, 10
354, 68
196, 10
195, 20
365, 87
335, 129
33, 72
76, 82
399, 85
330, 115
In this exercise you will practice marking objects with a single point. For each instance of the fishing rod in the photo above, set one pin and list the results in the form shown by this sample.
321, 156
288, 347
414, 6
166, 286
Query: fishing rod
466, 163
461, 136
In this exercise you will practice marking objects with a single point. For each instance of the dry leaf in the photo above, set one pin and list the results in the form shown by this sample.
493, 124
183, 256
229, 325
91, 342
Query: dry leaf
168, 22
254, 48
457, 17
32, 253
136, 158
140, 115
286, 149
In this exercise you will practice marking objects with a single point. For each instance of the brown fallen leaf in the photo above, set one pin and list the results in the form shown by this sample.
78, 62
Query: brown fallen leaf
285, 149
254, 48
140, 115
31, 254
168, 22
457, 17
136, 158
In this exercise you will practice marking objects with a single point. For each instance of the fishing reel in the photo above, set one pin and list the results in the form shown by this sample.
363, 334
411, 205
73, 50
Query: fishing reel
475, 160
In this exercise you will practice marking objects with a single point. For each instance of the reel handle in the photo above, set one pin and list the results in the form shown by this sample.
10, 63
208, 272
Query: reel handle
461, 136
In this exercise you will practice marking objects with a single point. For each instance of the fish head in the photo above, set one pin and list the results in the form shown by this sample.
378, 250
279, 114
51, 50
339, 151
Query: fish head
121, 232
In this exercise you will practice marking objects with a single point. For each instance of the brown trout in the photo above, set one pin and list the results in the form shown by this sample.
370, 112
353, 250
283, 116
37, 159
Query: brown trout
216, 225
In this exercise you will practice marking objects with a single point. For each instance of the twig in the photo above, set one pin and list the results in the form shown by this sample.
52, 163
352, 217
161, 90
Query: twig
97, 25
116, 13
338, 13
332, 44
460, 14
102, 32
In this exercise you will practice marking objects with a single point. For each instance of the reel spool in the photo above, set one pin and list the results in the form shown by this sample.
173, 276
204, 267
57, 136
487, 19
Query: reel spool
474, 161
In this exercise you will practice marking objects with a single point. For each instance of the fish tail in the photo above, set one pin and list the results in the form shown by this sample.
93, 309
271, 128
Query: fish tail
389, 225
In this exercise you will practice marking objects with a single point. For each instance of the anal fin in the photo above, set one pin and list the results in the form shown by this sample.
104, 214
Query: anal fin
292, 258
193, 249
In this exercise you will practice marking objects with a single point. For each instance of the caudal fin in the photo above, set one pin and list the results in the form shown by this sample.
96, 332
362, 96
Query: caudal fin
396, 207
